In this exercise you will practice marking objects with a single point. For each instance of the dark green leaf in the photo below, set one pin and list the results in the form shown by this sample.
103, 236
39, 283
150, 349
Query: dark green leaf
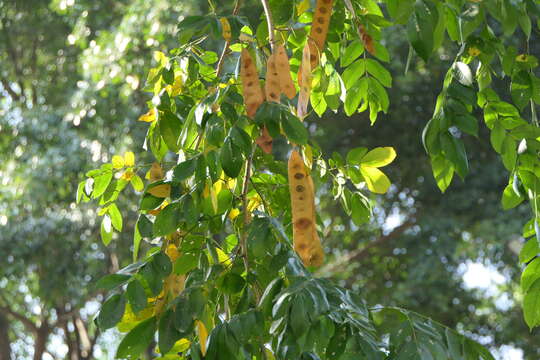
168, 335
421, 28
184, 170
136, 295
137, 340
231, 158
111, 311
109, 282
167, 221
170, 127
294, 129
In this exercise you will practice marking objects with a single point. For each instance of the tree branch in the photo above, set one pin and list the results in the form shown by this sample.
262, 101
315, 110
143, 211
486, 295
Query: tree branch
270, 22
29, 324
12, 52
9, 89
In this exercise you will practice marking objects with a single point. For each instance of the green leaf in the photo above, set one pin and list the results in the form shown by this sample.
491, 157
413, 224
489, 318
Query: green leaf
109, 282
466, 123
144, 225
137, 340
168, 335
353, 73
520, 89
509, 59
379, 157
282, 11
167, 221
111, 311
351, 53
497, 136
106, 230
443, 171
137, 183
101, 181
161, 264
530, 275
531, 305
170, 128
231, 158
421, 28
354, 156
116, 217
360, 209
509, 153
529, 251
241, 139
510, 199
184, 170
376, 180
379, 72
185, 263
136, 295
455, 152
294, 129
400, 10
355, 95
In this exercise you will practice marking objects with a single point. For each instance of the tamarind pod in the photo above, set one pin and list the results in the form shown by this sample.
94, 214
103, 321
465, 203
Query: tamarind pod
304, 82
226, 28
252, 92
301, 208
367, 40
319, 28
284, 72
272, 87
265, 141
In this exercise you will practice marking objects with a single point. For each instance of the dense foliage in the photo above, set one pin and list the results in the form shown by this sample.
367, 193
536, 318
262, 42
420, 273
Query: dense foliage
220, 211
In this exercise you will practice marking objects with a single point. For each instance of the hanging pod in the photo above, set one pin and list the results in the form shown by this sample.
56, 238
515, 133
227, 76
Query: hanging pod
306, 241
284, 72
253, 95
304, 78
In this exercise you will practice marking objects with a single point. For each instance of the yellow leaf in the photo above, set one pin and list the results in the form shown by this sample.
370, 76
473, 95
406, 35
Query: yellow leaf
161, 191
254, 203
302, 7
214, 196
137, 182
129, 158
155, 173
176, 88
172, 252
117, 162
379, 157
161, 58
127, 175
150, 116
223, 258
203, 335
233, 214
377, 182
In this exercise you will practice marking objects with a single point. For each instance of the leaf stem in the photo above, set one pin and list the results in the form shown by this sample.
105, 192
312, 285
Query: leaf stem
245, 188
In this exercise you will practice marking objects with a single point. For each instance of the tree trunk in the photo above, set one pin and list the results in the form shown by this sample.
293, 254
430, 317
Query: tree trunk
40, 343
5, 344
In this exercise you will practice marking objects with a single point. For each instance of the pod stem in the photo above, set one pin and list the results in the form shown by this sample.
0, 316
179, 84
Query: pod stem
270, 23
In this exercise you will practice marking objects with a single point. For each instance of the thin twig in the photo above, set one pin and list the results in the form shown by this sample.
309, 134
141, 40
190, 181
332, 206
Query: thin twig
225, 52
270, 22
245, 188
